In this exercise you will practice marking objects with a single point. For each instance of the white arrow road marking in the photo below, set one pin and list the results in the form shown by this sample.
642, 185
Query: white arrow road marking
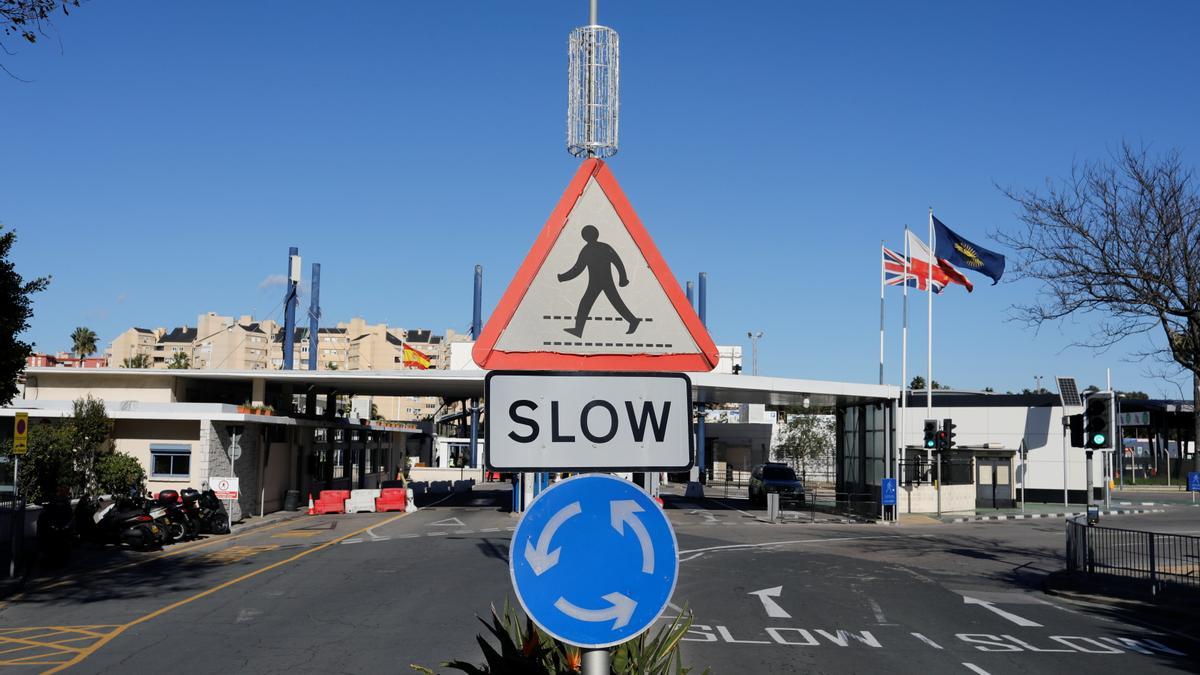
773, 610
622, 514
542, 558
620, 610
447, 522
1019, 620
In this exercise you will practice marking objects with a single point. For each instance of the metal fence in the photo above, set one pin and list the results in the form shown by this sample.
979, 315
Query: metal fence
1158, 559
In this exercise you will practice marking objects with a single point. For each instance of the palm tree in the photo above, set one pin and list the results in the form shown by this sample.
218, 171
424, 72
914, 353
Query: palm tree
179, 361
83, 342
136, 361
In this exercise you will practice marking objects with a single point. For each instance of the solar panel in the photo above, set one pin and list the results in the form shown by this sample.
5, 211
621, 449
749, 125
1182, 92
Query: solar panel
1068, 392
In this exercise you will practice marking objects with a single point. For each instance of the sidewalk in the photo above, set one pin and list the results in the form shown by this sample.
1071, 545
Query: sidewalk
1039, 511
255, 522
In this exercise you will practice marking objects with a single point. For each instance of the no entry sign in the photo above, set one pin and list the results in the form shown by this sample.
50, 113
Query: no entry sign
564, 421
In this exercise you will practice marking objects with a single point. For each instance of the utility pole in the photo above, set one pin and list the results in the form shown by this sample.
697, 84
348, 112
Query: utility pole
754, 338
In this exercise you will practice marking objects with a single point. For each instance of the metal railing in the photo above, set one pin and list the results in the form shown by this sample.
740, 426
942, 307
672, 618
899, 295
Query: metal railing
1156, 558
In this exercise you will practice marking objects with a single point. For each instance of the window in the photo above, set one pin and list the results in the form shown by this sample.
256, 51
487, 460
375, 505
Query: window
170, 461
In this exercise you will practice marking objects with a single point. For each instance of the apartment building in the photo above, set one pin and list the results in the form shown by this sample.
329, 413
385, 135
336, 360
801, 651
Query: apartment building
223, 343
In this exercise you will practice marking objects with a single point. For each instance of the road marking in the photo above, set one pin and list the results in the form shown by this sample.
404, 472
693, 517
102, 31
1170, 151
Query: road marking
1019, 620
296, 534
697, 552
465, 532
447, 522
976, 669
926, 640
773, 610
46, 645
88, 651
435, 534
355, 540
406, 536
878, 612
234, 554
489, 529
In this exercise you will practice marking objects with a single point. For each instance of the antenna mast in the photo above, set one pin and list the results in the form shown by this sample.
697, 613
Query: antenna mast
593, 89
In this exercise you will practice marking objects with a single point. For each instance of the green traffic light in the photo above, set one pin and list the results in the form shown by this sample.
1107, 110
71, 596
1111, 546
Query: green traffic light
1098, 439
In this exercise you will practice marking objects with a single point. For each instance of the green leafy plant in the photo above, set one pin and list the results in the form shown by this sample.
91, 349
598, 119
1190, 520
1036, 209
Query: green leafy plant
523, 648
120, 474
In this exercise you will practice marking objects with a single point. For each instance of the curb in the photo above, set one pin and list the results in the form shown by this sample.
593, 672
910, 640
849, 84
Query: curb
243, 526
1029, 516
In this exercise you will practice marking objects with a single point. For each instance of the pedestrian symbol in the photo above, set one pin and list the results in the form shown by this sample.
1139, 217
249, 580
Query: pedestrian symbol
598, 259
1193, 481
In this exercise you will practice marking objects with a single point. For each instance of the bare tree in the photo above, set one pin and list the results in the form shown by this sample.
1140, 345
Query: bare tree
28, 20
1118, 239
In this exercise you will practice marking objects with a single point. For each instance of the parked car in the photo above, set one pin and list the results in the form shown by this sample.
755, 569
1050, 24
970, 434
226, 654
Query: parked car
775, 477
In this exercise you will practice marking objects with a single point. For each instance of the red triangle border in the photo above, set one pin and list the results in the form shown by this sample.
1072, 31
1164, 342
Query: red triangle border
488, 357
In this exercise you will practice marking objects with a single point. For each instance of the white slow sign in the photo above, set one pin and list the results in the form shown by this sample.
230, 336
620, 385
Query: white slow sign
567, 421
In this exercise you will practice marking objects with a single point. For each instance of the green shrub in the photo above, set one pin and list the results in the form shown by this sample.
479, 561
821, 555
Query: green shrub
525, 648
120, 474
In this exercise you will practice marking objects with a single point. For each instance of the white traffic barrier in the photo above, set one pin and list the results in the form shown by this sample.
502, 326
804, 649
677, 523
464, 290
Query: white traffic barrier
362, 501
410, 505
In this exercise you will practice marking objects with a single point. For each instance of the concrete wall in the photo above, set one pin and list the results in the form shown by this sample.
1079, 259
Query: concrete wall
215, 437
924, 499
70, 386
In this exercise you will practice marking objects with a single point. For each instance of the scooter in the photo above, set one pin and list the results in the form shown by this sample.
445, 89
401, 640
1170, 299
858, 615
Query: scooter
125, 522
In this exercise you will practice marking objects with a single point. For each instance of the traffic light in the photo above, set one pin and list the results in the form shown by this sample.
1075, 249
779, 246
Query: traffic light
1098, 421
948, 427
930, 434
1075, 422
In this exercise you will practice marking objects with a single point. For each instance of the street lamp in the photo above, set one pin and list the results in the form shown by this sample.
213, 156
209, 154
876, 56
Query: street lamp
754, 350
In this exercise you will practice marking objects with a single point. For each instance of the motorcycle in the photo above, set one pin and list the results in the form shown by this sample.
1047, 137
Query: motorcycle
122, 521
176, 517
212, 517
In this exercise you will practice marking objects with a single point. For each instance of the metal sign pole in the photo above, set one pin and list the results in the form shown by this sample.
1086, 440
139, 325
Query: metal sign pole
596, 662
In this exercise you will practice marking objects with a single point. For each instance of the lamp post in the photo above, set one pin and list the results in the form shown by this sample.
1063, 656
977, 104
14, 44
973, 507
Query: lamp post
754, 338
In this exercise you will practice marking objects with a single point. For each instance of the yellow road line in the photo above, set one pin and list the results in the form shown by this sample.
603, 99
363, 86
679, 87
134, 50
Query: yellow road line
88, 651
176, 549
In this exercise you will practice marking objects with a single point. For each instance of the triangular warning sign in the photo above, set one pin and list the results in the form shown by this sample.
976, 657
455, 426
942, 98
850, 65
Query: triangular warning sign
594, 294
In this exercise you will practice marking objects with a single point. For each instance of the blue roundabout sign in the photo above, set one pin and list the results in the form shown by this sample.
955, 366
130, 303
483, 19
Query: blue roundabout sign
594, 561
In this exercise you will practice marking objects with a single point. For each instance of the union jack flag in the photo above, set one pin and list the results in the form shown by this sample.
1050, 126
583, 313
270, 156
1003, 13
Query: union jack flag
916, 275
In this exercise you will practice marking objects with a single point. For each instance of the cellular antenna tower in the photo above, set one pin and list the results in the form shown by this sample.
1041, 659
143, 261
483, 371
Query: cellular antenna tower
593, 89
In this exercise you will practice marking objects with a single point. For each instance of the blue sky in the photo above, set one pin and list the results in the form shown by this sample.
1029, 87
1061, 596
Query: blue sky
165, 155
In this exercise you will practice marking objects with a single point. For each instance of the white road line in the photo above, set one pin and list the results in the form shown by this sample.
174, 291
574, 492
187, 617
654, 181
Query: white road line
878, 612
697, 552
356, 540
976, 669
406, 536
511, 529
1019, 620
435, 534
489, 529
465, 532
926, 640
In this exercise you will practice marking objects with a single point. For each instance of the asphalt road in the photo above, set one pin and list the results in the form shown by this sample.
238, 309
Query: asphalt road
371, 592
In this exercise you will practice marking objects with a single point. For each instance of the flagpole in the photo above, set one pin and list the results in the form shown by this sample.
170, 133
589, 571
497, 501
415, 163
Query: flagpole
904, 360
881, 257
929, 328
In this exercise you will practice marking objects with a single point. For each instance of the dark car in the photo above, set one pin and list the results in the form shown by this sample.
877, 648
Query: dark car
774, 477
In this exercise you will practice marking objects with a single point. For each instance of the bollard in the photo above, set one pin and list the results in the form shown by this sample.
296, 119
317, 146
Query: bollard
773, 506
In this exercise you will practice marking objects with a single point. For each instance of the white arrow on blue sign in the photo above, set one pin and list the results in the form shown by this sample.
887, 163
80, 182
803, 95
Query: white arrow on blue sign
594, 561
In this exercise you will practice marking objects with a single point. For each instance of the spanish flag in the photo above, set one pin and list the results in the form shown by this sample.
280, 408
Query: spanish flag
414, 358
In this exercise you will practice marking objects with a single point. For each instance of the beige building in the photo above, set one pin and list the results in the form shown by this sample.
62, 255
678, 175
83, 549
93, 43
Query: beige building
223, 343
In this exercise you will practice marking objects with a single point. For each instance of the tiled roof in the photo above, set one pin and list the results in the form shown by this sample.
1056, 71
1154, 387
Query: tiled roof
183, 334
